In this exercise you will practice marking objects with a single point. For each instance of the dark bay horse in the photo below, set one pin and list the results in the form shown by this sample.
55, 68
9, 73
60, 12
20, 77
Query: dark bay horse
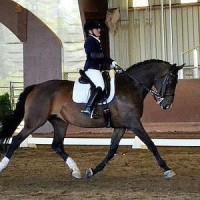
52, 101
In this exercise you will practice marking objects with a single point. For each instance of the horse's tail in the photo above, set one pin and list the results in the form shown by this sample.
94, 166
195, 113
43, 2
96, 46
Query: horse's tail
11, 122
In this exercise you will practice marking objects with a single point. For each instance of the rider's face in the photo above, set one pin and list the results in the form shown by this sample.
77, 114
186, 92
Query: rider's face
96, 32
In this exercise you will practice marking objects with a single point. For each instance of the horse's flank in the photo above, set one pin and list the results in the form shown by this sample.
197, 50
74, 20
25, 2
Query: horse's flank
54, 97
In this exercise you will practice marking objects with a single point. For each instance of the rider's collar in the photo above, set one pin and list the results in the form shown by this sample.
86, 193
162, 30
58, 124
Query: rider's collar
95, 37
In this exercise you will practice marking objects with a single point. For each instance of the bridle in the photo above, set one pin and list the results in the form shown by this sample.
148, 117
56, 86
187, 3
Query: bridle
158, 96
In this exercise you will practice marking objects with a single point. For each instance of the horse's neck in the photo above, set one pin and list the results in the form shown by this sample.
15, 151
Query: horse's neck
146, 73
144, 77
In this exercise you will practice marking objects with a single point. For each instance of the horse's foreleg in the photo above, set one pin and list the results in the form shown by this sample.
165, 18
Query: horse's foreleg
116, 137
142, 134
16, 141
60, 128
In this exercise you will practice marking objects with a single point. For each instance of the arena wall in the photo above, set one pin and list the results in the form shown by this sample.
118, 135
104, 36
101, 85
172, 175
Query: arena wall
186, 106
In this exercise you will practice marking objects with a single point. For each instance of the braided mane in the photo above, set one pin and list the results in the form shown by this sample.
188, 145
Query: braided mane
148, 62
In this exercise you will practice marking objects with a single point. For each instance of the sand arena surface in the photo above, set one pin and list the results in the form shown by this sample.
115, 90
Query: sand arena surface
132, 174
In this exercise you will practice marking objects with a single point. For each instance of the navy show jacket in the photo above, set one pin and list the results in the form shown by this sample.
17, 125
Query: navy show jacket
94, 53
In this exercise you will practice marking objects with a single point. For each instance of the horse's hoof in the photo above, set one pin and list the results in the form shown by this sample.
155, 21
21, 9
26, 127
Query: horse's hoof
89, 173
76, 174
169, 174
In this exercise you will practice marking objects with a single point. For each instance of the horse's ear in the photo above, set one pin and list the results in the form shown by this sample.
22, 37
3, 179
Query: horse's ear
177, 67
173, 67
181, 66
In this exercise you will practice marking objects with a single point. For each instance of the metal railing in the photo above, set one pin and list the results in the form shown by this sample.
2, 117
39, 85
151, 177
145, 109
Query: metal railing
15, 89
190, 71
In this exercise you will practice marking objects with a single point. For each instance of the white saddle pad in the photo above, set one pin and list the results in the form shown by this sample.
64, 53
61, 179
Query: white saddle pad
81, 92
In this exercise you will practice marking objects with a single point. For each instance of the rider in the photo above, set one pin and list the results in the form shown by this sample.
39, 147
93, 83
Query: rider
93, 65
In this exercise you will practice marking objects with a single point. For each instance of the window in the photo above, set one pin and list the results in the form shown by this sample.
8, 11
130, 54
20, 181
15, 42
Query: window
188, 1
11, 59
140, 3
63, 17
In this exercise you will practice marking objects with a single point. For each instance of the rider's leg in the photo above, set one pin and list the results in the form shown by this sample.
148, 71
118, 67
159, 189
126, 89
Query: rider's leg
96, 77
95, 95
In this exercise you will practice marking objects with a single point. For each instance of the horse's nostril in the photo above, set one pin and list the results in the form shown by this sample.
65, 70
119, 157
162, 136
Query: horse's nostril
167, 107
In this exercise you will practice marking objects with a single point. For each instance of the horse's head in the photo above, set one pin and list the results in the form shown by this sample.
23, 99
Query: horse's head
166, 85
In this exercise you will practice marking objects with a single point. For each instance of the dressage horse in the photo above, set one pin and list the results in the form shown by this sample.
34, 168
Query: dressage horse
52, 101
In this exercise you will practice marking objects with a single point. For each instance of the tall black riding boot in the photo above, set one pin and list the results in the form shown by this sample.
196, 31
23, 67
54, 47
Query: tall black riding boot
91, 102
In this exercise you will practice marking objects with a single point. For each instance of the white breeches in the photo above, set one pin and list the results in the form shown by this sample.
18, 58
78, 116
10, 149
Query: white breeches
96, 77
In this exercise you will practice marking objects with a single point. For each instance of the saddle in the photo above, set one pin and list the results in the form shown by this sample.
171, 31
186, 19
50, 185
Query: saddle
84, 79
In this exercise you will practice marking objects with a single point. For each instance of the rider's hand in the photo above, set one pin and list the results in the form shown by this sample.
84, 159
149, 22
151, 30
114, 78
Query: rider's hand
113, 65
116, 67
118, 70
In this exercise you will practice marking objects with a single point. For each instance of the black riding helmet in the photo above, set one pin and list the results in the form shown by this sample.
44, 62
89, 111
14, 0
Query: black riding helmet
91, 25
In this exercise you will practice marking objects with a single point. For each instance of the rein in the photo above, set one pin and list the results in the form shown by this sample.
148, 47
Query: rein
157, 97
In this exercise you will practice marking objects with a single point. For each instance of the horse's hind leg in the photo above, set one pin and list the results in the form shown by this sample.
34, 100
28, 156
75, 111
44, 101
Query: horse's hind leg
16, 141
115, 139
60, 128
142, 134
